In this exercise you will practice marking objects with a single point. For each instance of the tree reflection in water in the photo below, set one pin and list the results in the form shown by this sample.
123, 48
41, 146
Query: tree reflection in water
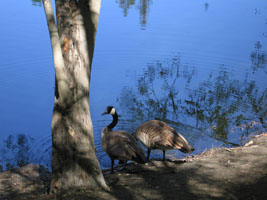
142, 6
258, 58
218, 107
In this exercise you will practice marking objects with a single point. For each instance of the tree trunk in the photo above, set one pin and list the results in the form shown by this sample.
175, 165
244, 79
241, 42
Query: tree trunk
74, 161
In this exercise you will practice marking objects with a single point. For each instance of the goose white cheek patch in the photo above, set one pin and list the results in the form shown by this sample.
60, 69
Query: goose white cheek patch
113, 111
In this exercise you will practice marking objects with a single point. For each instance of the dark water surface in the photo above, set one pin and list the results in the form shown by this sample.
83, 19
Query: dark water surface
198, 65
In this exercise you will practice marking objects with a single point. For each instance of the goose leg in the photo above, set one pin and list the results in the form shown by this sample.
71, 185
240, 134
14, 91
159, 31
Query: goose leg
148, 154
163, 155
125, 164
112, 163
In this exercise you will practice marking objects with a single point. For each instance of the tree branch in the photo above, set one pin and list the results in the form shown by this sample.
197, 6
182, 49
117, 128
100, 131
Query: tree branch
61, 78
90, 10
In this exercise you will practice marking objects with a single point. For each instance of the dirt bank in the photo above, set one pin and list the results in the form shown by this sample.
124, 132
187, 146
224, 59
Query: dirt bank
225, 173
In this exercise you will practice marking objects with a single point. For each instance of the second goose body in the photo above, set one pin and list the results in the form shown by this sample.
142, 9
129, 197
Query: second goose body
156, 134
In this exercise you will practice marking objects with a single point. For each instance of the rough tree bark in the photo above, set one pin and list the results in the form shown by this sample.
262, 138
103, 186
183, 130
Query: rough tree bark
74, 161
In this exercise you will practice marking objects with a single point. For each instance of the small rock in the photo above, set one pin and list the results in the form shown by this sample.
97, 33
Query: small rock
249, 143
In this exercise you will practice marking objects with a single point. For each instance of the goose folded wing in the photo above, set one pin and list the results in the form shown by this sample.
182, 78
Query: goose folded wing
121, 145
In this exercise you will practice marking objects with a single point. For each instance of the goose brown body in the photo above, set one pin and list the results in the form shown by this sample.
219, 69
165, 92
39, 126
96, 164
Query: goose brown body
156, 134
120, 145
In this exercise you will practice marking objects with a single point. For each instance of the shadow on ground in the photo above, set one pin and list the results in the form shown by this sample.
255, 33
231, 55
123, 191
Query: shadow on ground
225, 173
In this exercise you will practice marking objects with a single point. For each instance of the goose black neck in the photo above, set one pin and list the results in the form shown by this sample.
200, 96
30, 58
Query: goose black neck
114, 121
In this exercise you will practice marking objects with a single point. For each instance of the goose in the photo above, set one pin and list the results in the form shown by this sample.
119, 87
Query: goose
156, 134
120, 145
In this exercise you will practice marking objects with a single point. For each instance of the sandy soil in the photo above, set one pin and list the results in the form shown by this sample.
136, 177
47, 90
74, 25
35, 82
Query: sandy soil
224, 173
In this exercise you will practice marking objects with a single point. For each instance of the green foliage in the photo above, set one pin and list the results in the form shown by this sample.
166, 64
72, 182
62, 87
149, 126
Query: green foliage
157, 91
217, 104
258, 58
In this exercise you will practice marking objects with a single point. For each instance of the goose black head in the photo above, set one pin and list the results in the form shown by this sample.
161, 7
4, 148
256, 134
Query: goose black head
109, 110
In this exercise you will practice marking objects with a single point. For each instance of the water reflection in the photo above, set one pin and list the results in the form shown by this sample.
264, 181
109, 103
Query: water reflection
142, 6
221, 104
206, 5
157, 94
21, 149
36, 3
221, 107
258, 58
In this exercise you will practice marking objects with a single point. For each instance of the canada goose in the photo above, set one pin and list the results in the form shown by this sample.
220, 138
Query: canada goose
155, 134
120, 145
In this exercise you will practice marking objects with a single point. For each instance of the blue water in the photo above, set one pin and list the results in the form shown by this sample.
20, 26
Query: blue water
215, 49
